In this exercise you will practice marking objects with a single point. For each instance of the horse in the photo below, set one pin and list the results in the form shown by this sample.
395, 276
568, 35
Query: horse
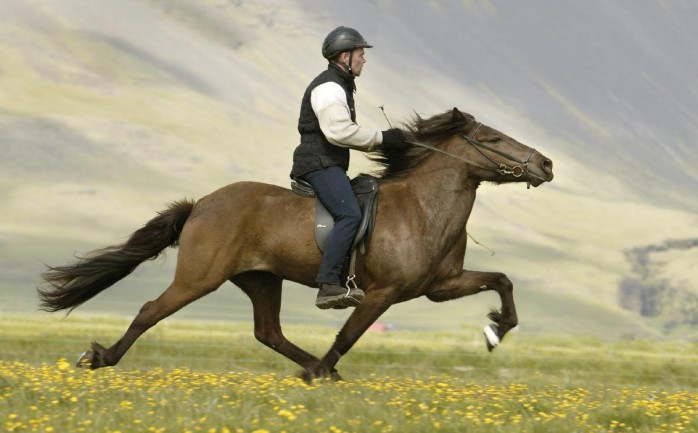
257, 235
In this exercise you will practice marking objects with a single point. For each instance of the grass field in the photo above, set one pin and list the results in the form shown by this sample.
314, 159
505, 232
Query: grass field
214, 377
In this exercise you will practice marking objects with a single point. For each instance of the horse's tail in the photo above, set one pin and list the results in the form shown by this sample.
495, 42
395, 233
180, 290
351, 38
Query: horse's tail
69, 286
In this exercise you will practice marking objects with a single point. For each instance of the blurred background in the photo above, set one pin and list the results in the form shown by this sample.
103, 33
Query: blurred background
110, 110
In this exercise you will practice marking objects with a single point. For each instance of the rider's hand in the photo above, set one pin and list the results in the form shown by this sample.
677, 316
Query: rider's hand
394, 139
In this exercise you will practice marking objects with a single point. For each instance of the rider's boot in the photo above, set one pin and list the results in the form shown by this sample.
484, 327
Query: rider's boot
338, 297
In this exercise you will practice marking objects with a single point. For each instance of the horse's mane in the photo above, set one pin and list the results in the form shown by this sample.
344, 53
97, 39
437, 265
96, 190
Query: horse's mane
397, 163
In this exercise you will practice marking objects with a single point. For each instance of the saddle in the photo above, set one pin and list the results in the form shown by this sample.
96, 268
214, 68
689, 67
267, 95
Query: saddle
366, 190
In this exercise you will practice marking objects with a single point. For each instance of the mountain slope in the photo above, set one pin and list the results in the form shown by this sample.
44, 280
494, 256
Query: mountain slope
110, 110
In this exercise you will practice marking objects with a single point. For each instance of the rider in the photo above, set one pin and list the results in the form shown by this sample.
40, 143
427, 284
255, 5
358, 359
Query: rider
328, 129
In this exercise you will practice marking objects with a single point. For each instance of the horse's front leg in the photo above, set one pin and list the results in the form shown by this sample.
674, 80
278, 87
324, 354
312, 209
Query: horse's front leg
370, 309
472, 282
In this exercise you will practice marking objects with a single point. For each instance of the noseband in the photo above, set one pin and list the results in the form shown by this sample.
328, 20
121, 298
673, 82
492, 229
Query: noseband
520, 168
515, 170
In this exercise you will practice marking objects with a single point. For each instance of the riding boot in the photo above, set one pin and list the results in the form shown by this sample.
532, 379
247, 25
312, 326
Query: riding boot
338, 297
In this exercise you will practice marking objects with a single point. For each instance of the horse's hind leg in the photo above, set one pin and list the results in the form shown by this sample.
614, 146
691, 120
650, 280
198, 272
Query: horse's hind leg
264, 290
472, 282
174, 298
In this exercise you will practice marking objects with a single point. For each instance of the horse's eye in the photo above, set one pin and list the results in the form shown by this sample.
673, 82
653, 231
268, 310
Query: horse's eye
495, 139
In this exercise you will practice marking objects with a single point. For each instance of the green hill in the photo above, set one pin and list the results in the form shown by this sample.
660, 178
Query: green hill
110, 111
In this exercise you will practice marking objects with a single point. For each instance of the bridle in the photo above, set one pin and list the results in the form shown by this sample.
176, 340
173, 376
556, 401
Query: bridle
518, 169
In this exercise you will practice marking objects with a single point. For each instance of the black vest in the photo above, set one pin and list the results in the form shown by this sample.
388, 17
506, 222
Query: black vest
315, 151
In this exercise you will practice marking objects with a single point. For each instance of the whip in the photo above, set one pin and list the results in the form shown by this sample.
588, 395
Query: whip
386, 116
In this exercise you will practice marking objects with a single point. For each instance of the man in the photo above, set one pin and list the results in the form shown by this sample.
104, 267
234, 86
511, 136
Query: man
328, 129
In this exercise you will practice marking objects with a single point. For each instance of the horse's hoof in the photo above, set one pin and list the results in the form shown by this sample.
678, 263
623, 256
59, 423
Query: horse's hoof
309, 375
84, 360
491, 336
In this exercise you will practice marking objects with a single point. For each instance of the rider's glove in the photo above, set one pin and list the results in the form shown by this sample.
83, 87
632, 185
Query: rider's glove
394, 139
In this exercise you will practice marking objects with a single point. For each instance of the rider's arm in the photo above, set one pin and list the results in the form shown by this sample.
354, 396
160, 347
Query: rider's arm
330, 105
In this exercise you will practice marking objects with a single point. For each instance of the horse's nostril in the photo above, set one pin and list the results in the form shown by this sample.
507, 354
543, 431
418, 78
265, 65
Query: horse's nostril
547, 166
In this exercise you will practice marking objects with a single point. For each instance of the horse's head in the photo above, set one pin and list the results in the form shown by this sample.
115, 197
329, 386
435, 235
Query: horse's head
495, 156
490, 155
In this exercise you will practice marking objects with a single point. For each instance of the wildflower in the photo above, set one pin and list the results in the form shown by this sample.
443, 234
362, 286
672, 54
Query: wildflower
63, 364
286, 414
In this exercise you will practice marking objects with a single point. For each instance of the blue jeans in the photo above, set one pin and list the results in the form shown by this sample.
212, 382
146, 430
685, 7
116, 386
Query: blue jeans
332, 188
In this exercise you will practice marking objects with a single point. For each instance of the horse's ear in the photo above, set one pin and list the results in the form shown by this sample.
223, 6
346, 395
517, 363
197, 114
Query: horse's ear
458, 117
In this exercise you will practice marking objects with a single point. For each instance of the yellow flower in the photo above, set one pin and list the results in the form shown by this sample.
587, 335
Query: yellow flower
63, 364
286, 414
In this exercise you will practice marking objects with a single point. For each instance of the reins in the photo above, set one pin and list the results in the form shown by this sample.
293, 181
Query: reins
501, 168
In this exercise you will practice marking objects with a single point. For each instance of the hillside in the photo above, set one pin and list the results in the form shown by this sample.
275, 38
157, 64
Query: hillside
110, 110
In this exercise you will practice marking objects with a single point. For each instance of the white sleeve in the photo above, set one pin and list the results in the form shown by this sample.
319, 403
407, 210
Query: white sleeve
330, 106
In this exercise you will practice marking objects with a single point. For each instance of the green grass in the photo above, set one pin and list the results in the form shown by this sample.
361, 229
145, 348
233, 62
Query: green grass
189, 376
540, 313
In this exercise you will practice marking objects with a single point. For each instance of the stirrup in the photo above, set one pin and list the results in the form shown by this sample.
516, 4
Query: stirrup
351, 284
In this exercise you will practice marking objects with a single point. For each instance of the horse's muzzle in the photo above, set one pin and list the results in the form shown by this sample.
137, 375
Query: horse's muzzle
540, 171
547, 167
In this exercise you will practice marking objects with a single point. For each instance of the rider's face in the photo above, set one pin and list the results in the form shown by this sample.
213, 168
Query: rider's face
357, 60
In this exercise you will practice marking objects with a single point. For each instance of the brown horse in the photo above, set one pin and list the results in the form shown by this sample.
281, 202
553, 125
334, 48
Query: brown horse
257, 235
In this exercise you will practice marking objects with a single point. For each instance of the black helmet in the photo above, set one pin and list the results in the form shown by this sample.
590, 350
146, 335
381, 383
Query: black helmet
342, 39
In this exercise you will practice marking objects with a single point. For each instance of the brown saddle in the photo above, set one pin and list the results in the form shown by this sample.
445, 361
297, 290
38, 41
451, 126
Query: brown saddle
366, 190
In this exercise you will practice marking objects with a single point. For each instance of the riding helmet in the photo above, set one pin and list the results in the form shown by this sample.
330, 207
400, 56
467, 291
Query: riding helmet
342, 39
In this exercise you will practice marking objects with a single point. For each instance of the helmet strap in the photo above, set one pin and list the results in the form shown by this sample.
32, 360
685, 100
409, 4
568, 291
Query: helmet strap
347, 65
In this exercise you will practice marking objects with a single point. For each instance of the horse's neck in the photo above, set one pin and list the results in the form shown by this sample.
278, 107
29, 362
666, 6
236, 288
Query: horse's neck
446, 199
